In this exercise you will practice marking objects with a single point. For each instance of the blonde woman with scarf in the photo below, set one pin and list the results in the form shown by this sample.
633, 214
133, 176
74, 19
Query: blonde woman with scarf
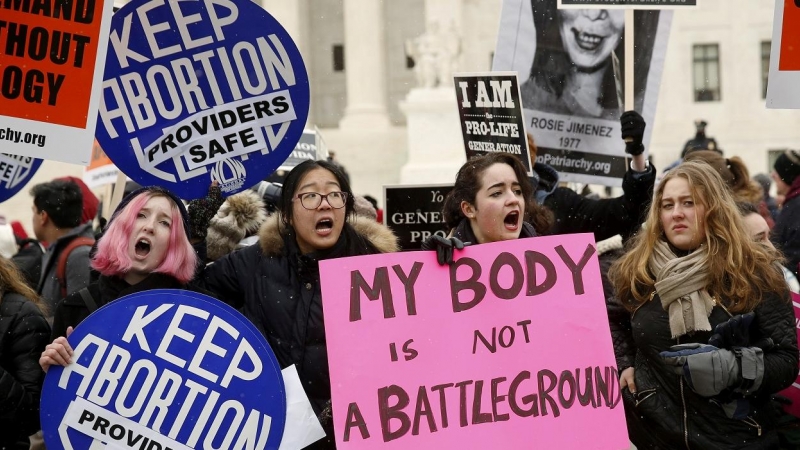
706, 330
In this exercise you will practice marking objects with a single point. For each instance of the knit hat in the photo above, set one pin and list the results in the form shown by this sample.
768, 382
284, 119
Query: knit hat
764, 180
90, 202
363, 207
161, 191
788, 166
241, 215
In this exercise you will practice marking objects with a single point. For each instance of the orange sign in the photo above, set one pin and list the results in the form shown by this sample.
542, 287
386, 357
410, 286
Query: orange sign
100, 171
99, 158
790, 37
48, 52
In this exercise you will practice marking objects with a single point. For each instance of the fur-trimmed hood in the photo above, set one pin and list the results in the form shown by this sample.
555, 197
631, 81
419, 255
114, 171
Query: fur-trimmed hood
380, 236
241, 215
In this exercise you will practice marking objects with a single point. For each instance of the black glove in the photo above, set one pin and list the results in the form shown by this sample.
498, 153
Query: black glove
325, 416
736, 333
444, 247
733, 333
633, 126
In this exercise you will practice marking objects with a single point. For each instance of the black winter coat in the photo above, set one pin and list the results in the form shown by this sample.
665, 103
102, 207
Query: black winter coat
278, 290
24, 333
786, 234
29, 261
72, 309
658, 419
606, 217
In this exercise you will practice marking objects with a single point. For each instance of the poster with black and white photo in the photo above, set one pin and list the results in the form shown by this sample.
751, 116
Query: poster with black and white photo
628, 4
565, 61
491, 115
414, 212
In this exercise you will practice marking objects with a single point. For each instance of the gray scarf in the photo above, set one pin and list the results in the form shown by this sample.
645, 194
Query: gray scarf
681, 283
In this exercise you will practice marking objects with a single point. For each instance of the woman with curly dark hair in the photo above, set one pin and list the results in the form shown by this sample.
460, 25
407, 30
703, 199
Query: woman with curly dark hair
492, 200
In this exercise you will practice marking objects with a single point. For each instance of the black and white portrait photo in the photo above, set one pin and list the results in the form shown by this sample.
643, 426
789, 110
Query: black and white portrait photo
572, 71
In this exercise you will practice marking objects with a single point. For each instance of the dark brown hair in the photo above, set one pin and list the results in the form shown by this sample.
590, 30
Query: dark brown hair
468, 183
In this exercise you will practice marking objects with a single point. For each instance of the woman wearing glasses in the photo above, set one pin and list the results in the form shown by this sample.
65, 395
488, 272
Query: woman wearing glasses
276, 283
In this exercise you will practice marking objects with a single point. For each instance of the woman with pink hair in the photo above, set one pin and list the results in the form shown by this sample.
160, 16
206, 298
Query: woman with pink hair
145, 246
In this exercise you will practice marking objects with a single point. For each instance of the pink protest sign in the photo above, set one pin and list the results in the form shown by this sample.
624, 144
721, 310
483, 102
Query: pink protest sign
793, 391
507, 348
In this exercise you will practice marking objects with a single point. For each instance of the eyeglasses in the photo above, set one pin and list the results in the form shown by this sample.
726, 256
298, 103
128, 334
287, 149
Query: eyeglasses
312, 200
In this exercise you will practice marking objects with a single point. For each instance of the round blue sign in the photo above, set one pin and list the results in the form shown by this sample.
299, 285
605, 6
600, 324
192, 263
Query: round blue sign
15, 172
165, 369
200, 91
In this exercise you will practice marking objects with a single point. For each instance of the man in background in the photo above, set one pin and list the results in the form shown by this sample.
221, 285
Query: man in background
57, 213
700, 141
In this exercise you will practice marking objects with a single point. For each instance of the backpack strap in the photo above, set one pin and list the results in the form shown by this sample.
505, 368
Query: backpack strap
61, 269
88, 300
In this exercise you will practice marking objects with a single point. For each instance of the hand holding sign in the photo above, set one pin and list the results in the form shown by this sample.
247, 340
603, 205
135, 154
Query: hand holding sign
444, 247
59, 352
172, 368
633, 126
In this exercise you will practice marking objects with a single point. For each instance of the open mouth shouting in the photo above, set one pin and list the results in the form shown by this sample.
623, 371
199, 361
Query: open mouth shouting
587, 41
511, 221
142, 247
324, 226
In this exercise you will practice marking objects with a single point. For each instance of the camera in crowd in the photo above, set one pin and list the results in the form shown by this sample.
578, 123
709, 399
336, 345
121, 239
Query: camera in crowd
270, 192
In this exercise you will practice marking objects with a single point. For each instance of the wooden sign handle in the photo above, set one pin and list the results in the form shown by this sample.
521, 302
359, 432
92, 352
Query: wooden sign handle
629, 95
639, 163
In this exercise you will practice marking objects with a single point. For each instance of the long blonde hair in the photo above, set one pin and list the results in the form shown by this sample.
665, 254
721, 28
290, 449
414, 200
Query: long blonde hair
741, 271
11, 281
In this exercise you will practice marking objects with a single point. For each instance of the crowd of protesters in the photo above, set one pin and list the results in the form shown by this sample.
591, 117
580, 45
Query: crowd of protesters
697, 285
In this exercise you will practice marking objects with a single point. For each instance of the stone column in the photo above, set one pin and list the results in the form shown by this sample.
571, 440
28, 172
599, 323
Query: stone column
365, 65
293, 16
